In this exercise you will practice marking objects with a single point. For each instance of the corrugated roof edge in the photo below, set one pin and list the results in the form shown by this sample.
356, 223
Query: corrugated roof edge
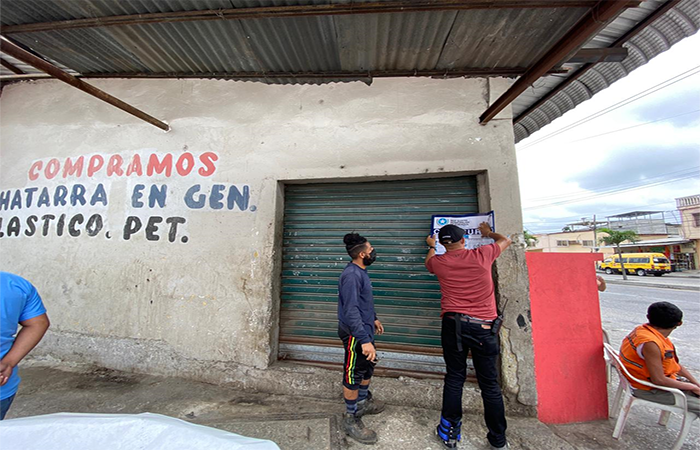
678, 23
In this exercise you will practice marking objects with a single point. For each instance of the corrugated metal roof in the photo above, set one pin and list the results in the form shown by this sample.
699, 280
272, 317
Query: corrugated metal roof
657, 242
680, 22
506, 38
27, 68
393, 41
489, 39
483, 39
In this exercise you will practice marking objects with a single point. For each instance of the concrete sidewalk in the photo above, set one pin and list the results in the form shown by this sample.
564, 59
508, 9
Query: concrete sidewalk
302, 423
689, 282
684, 274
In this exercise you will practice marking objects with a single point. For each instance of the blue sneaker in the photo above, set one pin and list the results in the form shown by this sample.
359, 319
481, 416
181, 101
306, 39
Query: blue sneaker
448, 433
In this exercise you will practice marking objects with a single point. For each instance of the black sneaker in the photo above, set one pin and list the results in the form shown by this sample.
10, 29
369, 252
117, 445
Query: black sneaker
353, 427
448, 434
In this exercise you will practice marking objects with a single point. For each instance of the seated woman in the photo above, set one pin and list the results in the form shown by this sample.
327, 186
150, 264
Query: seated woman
648, 354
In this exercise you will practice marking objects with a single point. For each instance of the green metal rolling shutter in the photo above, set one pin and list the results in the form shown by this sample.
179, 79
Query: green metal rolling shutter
395, 216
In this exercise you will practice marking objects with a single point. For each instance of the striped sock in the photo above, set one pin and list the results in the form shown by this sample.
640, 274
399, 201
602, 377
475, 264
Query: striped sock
351, 406
362, 395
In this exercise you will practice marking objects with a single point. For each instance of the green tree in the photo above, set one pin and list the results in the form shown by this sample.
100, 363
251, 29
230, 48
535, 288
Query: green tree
616, 238
567, 228
530, 239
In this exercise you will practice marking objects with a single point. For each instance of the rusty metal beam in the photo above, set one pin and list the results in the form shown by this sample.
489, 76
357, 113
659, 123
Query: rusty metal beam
598, 55
660, 11
20, 54
593, 21
376, 7
11, 67
452, 73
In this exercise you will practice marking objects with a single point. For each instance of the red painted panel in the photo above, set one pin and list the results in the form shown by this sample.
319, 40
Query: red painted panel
567, 336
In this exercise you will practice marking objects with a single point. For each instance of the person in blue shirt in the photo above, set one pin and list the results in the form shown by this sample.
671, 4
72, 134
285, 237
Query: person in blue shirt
357, 324
19, 304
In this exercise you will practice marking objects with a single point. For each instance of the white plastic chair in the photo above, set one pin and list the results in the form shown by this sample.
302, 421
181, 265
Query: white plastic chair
624, 400
608, 374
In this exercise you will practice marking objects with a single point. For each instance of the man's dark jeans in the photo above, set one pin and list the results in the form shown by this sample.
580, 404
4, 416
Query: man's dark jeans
5, 404
485, 349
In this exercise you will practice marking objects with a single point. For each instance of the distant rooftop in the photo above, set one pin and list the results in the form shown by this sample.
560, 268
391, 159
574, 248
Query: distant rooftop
657, 242
691, 200
635, 214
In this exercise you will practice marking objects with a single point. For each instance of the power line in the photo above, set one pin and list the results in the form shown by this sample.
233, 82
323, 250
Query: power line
564, 202
567, 220
617, 186
612, 213
670, 219
664, 84
674, 216
633, 126
638, 96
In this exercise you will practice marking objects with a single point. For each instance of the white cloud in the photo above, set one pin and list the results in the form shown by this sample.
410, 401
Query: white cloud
578, 163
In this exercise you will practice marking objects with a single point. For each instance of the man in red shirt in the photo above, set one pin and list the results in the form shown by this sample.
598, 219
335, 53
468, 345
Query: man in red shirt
468, 313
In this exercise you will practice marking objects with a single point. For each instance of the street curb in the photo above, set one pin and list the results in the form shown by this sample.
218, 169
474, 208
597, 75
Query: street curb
661, 286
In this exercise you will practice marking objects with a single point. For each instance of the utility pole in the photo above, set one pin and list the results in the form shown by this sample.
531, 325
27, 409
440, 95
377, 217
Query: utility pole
595, 235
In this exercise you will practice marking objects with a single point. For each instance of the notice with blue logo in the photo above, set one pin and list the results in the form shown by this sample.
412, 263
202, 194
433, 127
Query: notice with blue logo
469, 223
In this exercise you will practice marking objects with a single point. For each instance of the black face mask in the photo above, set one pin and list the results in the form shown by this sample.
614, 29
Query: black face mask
368, 260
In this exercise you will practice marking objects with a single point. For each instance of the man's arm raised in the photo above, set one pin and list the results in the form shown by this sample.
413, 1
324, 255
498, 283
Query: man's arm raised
502, 241
430, 240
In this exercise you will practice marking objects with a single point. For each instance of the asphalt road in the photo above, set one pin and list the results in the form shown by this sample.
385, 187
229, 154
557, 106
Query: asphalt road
624, 307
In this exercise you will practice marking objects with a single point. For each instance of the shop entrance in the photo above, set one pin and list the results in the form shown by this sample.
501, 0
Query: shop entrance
396, 217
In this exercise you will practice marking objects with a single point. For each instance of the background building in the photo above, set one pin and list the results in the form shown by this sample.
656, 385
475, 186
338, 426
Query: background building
584, 236
687, 251
576, 241
644, 223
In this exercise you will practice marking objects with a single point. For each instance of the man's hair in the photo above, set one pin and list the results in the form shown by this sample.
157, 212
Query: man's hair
354, 244
664, 315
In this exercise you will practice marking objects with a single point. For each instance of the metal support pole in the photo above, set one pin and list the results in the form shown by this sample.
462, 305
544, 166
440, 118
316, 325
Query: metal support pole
595, 234
10, 67
586, 67
597, 18
20, 54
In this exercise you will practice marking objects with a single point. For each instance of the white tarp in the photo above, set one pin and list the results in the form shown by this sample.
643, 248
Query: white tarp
118, 432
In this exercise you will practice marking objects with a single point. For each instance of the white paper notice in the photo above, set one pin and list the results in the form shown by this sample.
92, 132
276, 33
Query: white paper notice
469, 223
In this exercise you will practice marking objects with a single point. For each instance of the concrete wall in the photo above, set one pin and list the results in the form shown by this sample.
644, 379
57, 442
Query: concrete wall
206, 292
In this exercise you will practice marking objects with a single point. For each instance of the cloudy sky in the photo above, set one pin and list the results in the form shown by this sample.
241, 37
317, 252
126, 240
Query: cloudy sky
640, 156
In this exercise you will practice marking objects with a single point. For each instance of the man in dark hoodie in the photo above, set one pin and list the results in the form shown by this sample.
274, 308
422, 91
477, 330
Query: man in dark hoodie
357, 324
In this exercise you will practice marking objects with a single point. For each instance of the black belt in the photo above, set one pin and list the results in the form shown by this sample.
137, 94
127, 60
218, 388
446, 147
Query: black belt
468, 318
458, 329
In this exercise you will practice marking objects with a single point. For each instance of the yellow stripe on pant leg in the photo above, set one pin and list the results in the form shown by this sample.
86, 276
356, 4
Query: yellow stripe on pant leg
353, 359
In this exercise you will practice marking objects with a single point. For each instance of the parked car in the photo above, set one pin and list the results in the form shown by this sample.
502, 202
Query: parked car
639, 263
